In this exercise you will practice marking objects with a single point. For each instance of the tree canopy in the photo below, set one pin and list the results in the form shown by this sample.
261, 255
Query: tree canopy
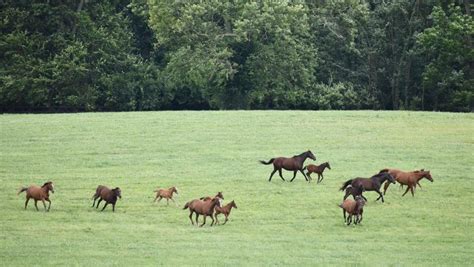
126, 55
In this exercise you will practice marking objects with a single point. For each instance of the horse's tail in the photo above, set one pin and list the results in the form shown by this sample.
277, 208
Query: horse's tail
186, 206
266, 163
22, 190
344, 185
383, 170
305, 168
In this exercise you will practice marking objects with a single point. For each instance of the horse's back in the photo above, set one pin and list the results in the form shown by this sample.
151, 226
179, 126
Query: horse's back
35, 192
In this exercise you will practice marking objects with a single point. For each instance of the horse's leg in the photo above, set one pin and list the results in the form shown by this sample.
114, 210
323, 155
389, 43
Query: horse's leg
93, 203
302, 172
191, 217
36, 204
385, 186
418, 183
226, 218
212, 218
322, 177
380, 195
26, 202
360, 217
113, 207
309, 176
356, 219
217, 220
167, 202
408, 188
98, 202
411, 189
349, 219
106, 203
204, 222
49, 206
271, 175
44, 204
281, 175
344, 214
294, 175
159, 199
363, 197
197, 216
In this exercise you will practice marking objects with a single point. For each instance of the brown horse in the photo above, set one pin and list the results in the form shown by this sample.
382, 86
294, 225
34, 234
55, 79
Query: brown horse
410, 179
319, 169
224, 210
201, 207
166, 193
219, 195
353, 208
369, 184
108, 195
38, 193
294, 164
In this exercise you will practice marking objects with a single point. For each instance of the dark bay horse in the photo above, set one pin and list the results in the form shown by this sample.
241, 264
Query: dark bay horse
108, 195
201, 207
38, 193
294, 164
369, 184
410, 179
319, 169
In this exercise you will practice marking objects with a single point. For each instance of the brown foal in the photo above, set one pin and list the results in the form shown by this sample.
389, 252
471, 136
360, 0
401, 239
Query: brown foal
166, 193
224, 210
38, 193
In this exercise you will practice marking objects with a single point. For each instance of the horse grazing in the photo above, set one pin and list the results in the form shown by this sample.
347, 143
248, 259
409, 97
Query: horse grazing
410, 179
353, 208
369, 184
224, 210
165, 193
294, 164
319, 169
201, 207
219, 195
38, 193
108, 195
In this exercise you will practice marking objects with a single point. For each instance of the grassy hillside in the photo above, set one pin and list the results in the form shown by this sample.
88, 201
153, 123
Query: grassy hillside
205, 152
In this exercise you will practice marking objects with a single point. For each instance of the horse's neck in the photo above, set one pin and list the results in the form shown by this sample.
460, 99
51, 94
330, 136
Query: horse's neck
45, 190
419, 176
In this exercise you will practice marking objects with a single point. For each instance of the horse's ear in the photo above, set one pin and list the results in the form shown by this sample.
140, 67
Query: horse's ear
422, 170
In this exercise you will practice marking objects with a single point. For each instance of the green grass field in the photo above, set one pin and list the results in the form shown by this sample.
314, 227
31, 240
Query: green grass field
277, 223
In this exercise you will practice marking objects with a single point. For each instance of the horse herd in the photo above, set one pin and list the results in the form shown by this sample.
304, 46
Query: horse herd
212, 206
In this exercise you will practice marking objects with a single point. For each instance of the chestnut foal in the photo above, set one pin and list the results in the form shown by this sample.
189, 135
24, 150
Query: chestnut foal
166, 193
353, 208
38, 193
224, 210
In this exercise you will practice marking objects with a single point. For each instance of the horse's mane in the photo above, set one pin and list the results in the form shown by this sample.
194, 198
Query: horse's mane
380, 174
300, 154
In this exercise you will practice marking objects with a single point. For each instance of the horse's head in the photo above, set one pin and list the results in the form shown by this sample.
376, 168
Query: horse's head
174, 189
49, 185
232, 203
117, 192
389, 177
220, 195
327, 165
217, 201
427, 175
310, 155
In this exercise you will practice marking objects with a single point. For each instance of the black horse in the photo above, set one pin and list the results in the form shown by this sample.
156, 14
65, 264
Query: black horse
294, 164
368, 184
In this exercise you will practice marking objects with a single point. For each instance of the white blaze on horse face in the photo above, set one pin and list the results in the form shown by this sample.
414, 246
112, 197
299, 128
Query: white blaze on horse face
220, 202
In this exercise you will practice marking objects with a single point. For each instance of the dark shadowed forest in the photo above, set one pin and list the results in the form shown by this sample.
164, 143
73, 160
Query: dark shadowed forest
132, 55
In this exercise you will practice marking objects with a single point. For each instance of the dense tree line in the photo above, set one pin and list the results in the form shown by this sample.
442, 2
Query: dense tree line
118, 55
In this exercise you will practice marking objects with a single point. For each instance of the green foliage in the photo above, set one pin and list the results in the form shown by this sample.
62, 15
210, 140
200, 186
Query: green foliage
448, 46
153, 55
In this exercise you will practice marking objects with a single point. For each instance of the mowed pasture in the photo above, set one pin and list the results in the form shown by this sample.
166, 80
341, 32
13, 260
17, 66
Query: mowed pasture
204, 152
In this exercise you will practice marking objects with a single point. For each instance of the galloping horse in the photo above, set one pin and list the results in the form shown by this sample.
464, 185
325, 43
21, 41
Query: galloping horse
166, 193
294, 164
411, 179
108, 195
369, 184
38, 193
